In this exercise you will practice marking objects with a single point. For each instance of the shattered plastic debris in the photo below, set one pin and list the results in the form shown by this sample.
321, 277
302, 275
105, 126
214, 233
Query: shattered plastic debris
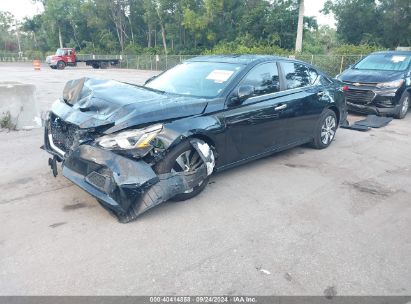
206, 154
265, 271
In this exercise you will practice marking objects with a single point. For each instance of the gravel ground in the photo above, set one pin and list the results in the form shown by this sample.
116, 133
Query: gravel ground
302, 222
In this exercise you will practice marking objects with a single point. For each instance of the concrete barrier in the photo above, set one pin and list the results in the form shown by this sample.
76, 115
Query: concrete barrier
18, 104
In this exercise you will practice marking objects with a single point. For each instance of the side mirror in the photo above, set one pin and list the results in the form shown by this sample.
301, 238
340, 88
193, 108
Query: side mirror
245, 91
150, 79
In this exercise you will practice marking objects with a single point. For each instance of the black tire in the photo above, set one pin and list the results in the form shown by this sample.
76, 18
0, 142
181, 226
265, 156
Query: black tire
325, 130
103, 65
404, 106
95, 66
61, 65
169, 163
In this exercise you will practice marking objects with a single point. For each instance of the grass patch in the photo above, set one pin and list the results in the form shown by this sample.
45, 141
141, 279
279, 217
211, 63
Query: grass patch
5, 121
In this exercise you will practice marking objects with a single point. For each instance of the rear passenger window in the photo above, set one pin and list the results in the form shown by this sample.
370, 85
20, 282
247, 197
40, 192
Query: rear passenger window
264, 78
296, 75
317, 79
314, 77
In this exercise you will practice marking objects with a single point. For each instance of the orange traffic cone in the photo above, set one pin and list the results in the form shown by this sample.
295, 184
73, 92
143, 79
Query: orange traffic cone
36, 64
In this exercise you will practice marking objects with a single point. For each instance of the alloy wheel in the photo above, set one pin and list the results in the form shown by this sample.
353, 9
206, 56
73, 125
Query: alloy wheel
186, 162
328, 130
405, 105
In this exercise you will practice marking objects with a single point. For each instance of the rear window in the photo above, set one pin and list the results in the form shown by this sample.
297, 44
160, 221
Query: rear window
384, 62
297, 75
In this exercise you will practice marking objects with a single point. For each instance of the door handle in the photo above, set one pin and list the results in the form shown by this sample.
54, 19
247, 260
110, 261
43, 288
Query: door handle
320, 94
282, 107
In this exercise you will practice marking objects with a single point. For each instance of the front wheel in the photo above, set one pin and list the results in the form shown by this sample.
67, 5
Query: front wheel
183, 158
61, 65
404, 105
324, 132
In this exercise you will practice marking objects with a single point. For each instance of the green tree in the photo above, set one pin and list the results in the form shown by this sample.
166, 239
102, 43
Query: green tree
382, 22
396, 20
6, 23
55, 15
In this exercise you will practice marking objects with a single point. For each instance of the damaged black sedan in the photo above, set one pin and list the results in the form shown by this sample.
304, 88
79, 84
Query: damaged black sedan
134, 147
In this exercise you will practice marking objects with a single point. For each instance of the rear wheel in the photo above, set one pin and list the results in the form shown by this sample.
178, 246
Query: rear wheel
103, 65
404, 106
183, 158
325, 130
95, 65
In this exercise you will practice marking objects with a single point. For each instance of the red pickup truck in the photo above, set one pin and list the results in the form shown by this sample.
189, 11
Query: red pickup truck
67, 57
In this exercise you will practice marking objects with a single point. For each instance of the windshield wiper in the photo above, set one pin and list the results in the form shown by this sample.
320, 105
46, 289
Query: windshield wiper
146, 88
153, 90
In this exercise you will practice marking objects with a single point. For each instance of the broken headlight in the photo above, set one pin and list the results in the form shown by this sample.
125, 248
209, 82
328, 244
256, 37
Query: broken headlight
130, 139
390, 85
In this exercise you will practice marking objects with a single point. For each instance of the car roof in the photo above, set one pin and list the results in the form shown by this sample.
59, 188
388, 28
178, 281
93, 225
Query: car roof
248, 59
393, 52
241, 59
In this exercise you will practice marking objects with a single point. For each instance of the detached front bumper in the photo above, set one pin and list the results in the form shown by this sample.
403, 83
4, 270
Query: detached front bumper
117, 182
126, 187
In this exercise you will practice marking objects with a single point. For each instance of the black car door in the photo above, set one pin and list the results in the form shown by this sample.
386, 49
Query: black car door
255, 125
306, 98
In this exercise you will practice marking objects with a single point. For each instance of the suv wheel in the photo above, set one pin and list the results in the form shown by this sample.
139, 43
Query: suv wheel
404, 106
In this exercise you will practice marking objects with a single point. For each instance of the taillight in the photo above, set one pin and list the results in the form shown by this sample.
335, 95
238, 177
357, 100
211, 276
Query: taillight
345, 88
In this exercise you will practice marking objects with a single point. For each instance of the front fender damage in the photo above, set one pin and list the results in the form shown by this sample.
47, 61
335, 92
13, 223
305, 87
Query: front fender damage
126, 187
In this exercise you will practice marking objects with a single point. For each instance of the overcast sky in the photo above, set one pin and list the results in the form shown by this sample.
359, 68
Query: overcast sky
313, 7
21, 8
26, 8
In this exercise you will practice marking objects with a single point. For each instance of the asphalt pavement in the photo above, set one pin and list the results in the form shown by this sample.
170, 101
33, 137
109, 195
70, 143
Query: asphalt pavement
301, 222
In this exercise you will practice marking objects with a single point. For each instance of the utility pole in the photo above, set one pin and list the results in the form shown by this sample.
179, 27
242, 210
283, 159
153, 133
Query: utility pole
18, 38
60, 37
300, 28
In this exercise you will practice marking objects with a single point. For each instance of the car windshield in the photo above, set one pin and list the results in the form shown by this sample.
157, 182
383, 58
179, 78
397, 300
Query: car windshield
199, 79
384, 62
60, 52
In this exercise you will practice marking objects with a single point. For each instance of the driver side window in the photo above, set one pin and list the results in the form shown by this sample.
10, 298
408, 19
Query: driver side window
264, 78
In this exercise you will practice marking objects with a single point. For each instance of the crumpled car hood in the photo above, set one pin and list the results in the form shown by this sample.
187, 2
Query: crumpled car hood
90, 103
361, 76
